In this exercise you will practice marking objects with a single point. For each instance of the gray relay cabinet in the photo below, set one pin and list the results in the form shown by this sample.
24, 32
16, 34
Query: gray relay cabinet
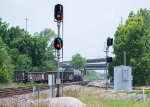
122, 78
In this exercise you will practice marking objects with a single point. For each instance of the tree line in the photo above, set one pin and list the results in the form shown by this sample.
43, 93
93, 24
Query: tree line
133, 37
20, 50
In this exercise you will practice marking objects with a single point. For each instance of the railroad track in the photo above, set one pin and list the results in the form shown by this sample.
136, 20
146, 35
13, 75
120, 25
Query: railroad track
9, 92
83, 83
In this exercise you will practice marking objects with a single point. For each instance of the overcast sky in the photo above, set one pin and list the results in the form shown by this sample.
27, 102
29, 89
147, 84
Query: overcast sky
87, 23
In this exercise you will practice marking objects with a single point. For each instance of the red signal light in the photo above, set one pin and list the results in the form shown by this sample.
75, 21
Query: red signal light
58, 45
58, 12
58, 15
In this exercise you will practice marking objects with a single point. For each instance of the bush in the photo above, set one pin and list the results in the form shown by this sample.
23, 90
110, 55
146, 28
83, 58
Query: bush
5, 64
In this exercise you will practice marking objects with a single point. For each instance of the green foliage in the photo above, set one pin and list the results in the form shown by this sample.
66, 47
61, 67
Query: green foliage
31, 83
48, 65
134, 91
24, 51
94, 97
91, 75
23, 62
134, 39
3, 30
48, 33
42, 56
31, 52
96, 100
16, 85
5, 64
77, 61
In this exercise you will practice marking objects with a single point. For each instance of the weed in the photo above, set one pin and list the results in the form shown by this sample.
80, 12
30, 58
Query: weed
72, 93
134, 91
12, 103
39, 104
92, 100
41, 95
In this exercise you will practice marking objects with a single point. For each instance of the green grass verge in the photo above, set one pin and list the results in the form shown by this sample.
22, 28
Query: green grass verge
135, 91
95, 99
15, 85
92, 100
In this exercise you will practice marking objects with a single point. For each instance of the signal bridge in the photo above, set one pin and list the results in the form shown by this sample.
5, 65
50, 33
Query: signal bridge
91, 64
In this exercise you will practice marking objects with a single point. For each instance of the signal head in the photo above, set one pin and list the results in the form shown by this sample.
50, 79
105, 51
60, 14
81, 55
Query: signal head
58, 13
109, 59
58, 43
109, 41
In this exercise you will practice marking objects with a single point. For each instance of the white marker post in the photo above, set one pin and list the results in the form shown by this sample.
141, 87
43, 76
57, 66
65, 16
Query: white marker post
34, 90
51, 81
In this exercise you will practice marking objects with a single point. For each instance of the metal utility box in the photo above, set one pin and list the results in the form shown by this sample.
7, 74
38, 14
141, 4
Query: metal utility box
122, 78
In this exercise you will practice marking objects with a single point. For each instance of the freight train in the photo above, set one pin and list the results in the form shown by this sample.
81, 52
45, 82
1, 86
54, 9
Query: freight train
69, 74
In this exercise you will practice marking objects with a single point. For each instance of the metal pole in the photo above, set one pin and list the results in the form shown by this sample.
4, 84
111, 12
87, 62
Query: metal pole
62, 60
26, 23
58, 54
58, 75
124, 58
106, 66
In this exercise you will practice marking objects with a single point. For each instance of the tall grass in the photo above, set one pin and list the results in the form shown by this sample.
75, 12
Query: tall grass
97, 101
72, 93
15, 85
135, 91
39, 104
92, 99
41, 95
10, 103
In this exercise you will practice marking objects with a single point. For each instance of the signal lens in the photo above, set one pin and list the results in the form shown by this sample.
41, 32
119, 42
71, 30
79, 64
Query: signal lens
58, 45
58, 16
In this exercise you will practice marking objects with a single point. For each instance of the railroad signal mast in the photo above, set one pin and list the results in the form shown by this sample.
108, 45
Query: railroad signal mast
58, 42
108, 59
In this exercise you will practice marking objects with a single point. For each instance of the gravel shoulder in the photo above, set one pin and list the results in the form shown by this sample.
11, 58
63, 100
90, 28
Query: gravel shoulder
31, 100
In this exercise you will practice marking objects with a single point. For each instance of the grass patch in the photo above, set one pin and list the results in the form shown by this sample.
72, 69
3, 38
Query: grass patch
134, 91
16, 85
11, 103
41, 95
72, 93
92, 100
12, 85
39, 104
